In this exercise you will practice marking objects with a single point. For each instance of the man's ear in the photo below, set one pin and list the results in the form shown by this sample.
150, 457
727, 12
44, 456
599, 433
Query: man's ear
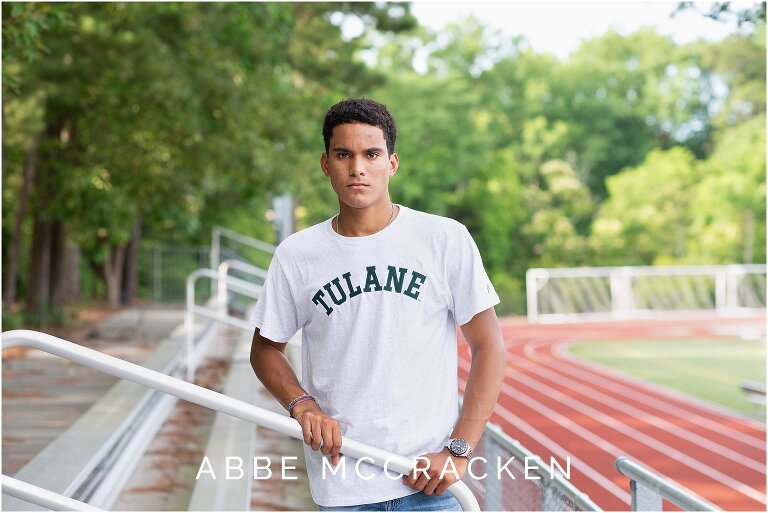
324, 164
394, 163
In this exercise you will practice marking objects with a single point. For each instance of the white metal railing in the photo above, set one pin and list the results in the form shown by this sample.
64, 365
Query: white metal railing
240, 286
210, 399
648, 489
223, 270
641, 292
42, 497
220, 232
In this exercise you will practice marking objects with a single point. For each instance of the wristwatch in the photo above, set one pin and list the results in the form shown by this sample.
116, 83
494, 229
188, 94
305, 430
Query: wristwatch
459, 447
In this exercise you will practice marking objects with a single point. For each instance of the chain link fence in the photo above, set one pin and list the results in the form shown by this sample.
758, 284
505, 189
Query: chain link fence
501, 482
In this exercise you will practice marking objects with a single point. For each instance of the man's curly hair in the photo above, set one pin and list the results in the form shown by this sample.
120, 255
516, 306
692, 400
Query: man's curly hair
360, 110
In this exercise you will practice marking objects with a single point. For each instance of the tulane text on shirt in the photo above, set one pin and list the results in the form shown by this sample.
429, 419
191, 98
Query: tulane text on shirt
338, 290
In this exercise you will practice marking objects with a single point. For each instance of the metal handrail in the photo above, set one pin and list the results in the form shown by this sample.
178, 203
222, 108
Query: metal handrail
42, 497
214, 400
219, 231
223, 271
241, 286
657, 488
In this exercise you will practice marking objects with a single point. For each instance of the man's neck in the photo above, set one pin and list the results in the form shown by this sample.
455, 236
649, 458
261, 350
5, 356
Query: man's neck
359, 222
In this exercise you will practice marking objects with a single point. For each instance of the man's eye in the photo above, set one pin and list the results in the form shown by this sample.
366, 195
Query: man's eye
372, 155
342, 155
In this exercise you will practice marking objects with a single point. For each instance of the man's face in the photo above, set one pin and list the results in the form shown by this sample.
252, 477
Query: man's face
358, 165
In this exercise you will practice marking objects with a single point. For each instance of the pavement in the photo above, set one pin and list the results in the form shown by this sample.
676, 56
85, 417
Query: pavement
43, 395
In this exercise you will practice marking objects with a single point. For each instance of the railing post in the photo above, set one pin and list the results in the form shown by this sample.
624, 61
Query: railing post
532, 294
215, 252
189, 328
721, 290
222, 293
621, 292
644, 498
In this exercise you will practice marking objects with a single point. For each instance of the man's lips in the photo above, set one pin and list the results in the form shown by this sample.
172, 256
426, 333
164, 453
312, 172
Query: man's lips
357, 185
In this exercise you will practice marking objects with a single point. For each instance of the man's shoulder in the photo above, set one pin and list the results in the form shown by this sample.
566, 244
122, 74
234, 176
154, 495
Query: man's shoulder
436, 223
301, 240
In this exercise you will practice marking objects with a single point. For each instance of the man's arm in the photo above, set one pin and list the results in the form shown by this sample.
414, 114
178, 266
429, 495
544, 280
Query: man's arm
276, 374
489, 365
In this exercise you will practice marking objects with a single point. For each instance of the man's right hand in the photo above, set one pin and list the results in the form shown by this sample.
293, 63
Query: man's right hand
320, 431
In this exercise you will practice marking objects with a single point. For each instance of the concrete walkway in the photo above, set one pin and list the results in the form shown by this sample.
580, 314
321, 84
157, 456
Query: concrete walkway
43, 394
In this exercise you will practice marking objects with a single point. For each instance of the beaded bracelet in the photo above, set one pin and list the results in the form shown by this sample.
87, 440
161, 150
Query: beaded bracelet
300, 399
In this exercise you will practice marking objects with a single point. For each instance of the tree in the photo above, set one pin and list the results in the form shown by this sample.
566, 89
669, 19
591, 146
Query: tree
645, 219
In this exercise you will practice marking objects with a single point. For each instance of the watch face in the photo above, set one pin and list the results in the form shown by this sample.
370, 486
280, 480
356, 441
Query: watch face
459, 446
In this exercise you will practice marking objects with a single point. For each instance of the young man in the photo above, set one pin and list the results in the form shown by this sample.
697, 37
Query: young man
378, 291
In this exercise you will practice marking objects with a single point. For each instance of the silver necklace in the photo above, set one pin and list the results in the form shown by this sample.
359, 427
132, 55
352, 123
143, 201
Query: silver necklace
391, 217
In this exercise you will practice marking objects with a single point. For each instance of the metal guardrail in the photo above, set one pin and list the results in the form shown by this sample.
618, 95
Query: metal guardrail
649, 489
220, 232
210, 399
642, 292
237, 285
42, 497
755, 391
223, 270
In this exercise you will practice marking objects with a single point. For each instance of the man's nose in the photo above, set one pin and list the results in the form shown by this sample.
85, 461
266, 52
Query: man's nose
356, 166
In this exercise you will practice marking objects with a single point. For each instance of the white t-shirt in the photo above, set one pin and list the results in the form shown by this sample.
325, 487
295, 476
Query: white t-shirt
379, 348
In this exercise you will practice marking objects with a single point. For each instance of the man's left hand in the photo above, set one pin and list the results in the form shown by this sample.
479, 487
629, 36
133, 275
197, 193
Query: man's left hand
430, 481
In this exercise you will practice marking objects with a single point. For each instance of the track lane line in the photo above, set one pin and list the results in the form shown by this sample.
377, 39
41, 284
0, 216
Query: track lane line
639, 395
638, 436
560, 352
598, 478
614, 450
656, 421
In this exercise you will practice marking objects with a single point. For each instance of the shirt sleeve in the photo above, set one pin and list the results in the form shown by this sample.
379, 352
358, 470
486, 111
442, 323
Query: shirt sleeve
275, 314
471, 289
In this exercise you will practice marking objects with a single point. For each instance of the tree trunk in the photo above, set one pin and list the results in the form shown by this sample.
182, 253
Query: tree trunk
14, 252
38, 293
112, 269
131, 274
65, 268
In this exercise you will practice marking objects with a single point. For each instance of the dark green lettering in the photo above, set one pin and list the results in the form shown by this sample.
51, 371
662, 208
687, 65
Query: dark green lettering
342, 298
413, 286
372, 279
352, 293
316, 299
392, 278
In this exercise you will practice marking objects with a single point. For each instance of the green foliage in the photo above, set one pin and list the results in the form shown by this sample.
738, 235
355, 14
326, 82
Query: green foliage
727, 209
645, 217
632, 150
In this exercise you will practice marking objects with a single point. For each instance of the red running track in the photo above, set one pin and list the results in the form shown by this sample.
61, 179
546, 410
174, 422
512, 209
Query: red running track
559, 406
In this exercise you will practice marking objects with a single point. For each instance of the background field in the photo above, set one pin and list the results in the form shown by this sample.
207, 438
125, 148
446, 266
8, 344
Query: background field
711, 369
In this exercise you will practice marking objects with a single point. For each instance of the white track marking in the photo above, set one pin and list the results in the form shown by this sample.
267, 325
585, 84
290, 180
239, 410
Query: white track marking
686, 434
656, 421
592, 474
617, 452
606, 378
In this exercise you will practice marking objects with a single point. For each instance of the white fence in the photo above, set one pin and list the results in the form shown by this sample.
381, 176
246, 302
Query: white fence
616, 293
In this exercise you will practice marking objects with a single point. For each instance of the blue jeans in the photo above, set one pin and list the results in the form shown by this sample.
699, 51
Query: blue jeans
419, 501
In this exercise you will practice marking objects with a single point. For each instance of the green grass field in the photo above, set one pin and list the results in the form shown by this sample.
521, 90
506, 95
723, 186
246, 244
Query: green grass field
711, 369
